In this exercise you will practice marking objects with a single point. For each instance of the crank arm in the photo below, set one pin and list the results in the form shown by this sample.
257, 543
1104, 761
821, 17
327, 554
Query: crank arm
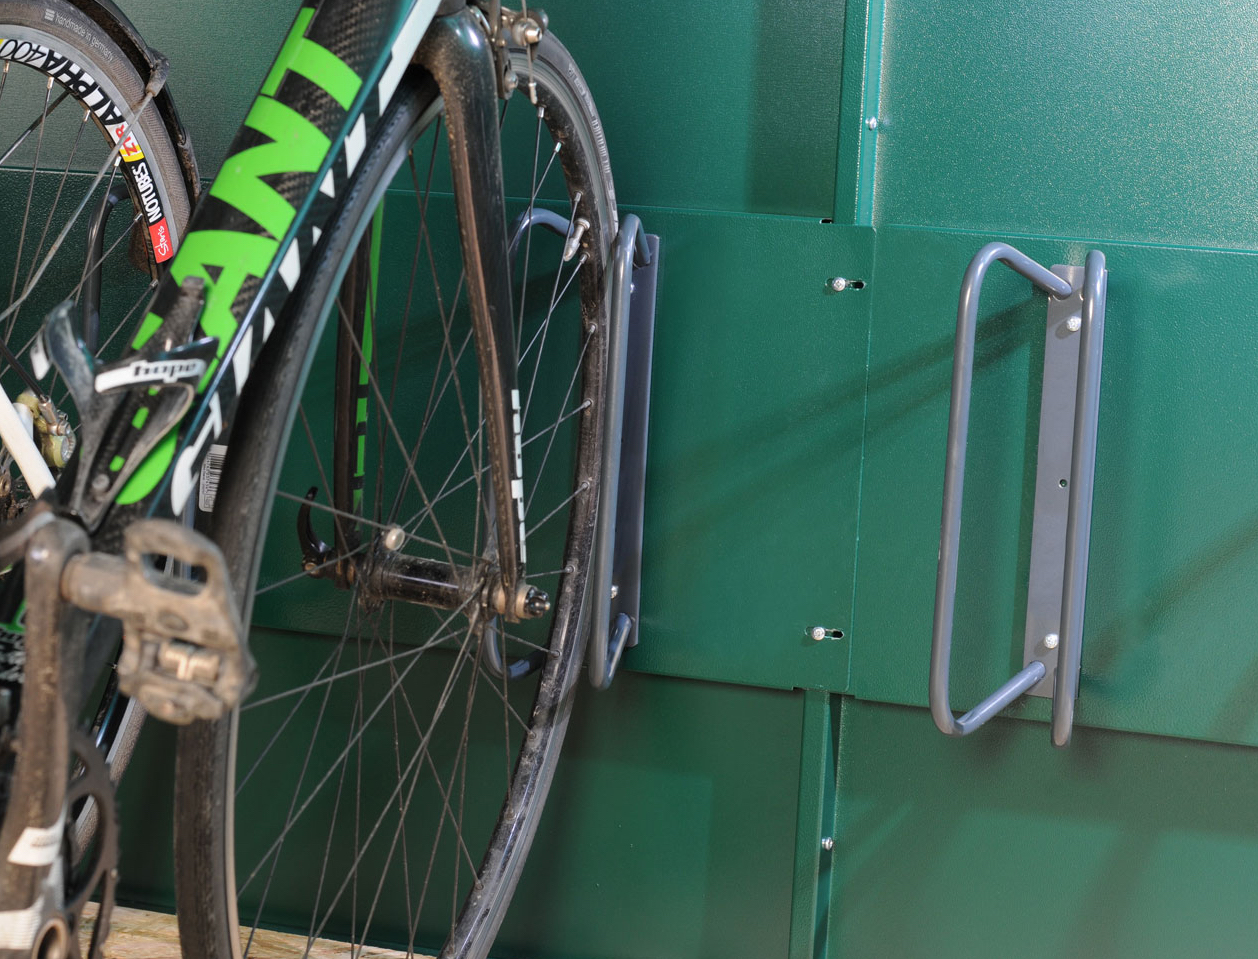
32, 868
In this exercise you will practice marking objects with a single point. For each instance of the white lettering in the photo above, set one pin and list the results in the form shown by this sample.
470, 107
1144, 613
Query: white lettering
142, 371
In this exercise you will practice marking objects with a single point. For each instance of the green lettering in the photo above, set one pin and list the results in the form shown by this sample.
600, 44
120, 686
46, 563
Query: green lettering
298, 147
152, 323
151, 471
239, 256
314, 62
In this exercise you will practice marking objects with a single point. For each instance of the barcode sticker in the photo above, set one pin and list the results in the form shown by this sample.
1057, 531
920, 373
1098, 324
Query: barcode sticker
211, 471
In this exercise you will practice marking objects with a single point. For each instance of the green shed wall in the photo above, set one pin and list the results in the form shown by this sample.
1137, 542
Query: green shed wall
796, 473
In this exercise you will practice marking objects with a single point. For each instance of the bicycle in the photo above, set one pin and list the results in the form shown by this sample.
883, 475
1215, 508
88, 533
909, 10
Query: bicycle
445, 550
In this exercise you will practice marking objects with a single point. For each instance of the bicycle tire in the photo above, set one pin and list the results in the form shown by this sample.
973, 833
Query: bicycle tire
206, 780
73, 52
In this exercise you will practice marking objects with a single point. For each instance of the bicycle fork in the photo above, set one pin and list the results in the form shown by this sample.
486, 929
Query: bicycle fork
458, 54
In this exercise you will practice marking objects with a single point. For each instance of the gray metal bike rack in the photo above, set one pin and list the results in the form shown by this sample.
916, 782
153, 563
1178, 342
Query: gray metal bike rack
1065, 468
617, 573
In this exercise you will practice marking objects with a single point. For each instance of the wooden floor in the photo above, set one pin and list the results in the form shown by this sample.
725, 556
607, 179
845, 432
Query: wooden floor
136, 934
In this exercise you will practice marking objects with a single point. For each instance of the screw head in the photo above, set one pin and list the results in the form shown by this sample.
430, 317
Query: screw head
1074, 324
838, 284
394, 537
827, 843
872, 123
1050, 641
818, 633
100, 483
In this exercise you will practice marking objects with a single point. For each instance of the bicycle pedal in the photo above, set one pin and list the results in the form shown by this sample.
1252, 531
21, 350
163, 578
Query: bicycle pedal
184, 655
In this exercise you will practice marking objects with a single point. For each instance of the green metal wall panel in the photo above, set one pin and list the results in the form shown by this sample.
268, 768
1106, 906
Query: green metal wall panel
1173, 584
754, 467
1124, 120
997, 845
670, 830
712, 105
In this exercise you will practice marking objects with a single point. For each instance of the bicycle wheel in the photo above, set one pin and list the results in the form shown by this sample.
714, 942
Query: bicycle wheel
66, 95
385, 782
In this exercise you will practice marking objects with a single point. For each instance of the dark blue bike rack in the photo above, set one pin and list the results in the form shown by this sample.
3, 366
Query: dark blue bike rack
616, 580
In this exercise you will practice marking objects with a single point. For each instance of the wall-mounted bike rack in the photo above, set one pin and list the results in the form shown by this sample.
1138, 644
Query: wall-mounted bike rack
1065, 467
616, 577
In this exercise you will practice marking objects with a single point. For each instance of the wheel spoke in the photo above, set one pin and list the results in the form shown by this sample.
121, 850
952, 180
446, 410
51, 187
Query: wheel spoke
52, 212
412, 763
34, 124
554, 429
296, 814
393, 429
26, 214
384, 528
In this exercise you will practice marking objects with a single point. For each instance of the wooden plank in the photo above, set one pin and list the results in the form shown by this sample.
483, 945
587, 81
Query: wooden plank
139, 934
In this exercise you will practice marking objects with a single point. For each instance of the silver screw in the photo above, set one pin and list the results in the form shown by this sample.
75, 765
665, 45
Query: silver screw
615, 590
1074, 324
100, 483
827, 843
838, 284
394, 537
818, 633
1050, 641
39, 554
872, 123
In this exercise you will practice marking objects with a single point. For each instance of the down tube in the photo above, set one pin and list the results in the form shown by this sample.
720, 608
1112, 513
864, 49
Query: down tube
258, 224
